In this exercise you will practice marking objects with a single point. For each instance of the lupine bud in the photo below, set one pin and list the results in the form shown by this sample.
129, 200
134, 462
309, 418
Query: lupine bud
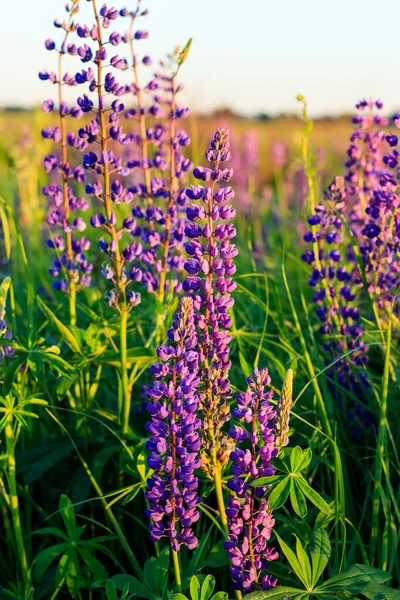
283, 409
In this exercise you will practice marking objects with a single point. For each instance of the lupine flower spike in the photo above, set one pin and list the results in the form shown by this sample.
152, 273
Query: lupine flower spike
249, 519
105, 131
210, 266
174, 444
70, 268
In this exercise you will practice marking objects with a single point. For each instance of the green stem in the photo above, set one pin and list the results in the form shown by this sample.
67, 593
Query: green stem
126, 397
220, 497
381, 445
72, 304
14, 504
177, 570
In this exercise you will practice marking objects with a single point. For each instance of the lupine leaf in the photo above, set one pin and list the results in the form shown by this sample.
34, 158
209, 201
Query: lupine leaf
297, 498
312, 495
111, 590
44, 559
293, 560
277, 593
67, 514
320, 551
194, 588
354, 576
279, 494
207, 588
11, 373
300, 459
304, 561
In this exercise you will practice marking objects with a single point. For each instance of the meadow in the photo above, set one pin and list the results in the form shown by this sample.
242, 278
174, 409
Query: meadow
199, 319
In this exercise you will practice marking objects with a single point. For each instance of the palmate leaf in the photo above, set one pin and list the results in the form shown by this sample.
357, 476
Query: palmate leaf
352, 578
277, 593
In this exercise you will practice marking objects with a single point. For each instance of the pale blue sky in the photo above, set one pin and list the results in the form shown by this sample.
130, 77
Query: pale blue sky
252, 55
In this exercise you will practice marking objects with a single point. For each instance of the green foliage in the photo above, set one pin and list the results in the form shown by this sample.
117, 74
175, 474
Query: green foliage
202, 591
291, 462
77, 566
354, 582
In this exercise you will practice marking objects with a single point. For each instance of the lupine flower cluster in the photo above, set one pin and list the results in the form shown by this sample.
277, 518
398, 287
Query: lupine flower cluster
210, 268
336, 291
105, 132
249, 519
174, 428
371, 183
378, 235
355, 245
4, 331
71, 267
159, 216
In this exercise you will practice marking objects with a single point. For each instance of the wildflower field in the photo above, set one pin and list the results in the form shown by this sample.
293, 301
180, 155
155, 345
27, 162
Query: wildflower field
199, 321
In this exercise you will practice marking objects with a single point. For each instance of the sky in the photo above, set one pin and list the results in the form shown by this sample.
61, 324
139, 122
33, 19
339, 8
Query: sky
253, 56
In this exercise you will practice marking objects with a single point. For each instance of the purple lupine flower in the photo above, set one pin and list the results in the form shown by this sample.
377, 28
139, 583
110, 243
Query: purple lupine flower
335, 281
105, 135
249, 519
158, 175
174, 428
210, 268
71, 268
375, 221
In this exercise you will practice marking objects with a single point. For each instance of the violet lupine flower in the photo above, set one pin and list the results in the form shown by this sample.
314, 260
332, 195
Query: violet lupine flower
161, 223
174, 428
364, 165
378, 234
105, 132
71, 267
336, 294
210, 268
249, 519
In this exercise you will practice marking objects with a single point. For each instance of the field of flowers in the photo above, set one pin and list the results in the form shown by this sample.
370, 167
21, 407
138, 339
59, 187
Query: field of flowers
199, 354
